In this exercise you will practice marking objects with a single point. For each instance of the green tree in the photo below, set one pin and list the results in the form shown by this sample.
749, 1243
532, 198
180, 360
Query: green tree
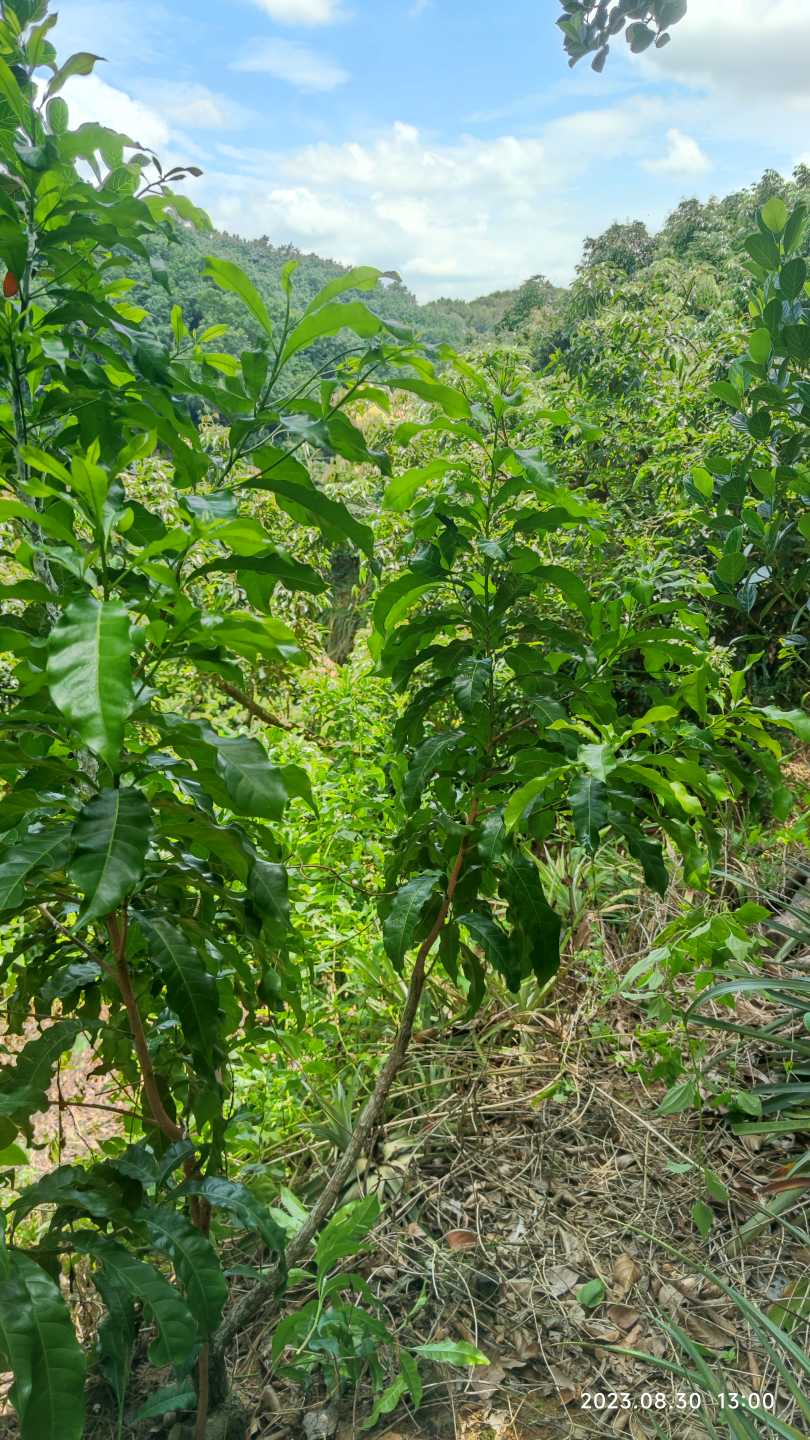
588, 26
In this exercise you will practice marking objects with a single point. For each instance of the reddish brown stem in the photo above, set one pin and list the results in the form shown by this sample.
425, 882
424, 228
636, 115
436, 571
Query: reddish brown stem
117, 931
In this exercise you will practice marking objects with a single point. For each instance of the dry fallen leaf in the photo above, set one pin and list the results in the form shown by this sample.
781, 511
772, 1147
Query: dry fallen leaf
626, 1272
708, 1333
573, 1246
269, 1399
567, 1389
669, 1298
624, 1316
461, 1239
559, 1279
602, 1330
485, 1380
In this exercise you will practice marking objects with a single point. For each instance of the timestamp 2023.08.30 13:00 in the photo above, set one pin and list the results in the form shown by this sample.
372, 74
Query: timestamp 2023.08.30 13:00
683, 1400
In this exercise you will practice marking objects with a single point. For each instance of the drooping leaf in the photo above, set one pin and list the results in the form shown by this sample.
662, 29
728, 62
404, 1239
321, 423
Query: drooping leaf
180, 1396
267, 885
531, 914
796, 720
178, 1339
451, 1352
229, 276
494, 942
569, 584
191, 989
330, 515
471, 682
89, 673
196, 1265
405, 913
245, 1207
87, 1191
82, 63
256, 788
426, 761
41, 852
589, 809
650, 856
116, 1333
24, 1084
38, 1344
111, 837
401, 491
362, 277
328, 320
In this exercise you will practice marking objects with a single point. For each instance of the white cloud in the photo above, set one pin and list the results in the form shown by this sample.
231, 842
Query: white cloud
302, 12
741, 48
195, 107
297, 64
462, 217
683, 156
91, 98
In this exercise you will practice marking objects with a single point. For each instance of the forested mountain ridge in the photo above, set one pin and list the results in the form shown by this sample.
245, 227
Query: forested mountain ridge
703, 239
175, 277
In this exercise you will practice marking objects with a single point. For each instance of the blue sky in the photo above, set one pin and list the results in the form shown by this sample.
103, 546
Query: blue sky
445, 139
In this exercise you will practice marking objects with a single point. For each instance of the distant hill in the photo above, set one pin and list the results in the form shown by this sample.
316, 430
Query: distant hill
175, 277
537, 313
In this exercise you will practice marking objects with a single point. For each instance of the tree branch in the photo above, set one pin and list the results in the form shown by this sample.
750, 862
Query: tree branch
251, 1303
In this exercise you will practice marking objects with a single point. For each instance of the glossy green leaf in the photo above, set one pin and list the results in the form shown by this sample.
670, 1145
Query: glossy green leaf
39, 853
427, 760
328, 320
401, 491
344, 1234
492, 939
245, 1207
116, 1333
176, 1397
38, 1344
177, 1342
796, 720
451, 1352
111, 837
330, 515
759, 345
471, 683
230, 277
792, 278
89, 673
256, 788
43, 520
404, 916
589, 810
195, 1262
82, 63
775, 214
25, 1083
13, 95
268, 888
531, 913
362, 277
191, 989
